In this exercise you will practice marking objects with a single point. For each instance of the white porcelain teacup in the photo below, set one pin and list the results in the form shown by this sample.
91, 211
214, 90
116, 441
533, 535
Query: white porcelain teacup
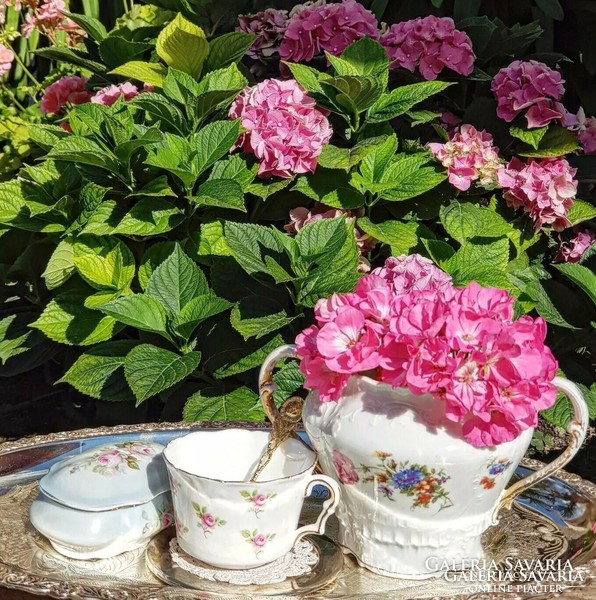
225, 520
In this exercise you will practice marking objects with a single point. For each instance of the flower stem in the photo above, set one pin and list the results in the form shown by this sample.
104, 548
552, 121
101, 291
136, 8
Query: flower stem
10, 93
27, 72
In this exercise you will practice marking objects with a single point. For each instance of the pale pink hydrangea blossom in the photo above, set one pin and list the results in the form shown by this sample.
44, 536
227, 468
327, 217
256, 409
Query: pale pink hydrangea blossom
529, 85
544, 188
269, 26
285, 129
47, 17
109, 95
586, 134
406, 325
6, 58
469, 157
67, 90
320, 27
301, 216
429, 44
574, 250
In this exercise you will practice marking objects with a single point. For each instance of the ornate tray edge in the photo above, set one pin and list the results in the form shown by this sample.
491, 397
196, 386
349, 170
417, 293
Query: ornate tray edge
14, 578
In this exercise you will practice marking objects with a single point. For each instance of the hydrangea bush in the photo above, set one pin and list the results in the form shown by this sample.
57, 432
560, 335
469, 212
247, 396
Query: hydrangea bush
198, 180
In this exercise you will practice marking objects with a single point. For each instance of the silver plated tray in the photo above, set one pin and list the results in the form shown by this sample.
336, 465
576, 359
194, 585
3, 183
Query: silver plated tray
555, 520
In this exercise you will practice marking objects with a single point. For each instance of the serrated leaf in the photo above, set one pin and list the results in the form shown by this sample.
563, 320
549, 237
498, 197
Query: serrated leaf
374, 164
60, 266
220, 193
161, 109
152, 258
137, 310
216, 404
209, 241
419, 117
66, 320
366, 57
198, 309
235, 167
581, 211
214, 141
227, 49
439, 251
463, 220
560, 413
16, 337
307, 77
150, 370
99, 372
402, 237
182, 45
331, 188
288, 380
557, 141
105, 263
581, 276
94, 27
402, 99
250, 361
73, 57
409, 178
253, 317
176, 281
247, 243
354, 93
84, 151
532, 137
147, 72
325, 236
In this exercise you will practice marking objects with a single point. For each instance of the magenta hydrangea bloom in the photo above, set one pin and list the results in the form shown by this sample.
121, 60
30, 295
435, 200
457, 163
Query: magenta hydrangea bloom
67, 90
285, 129
429, 44
6, 58
405, 324
108, 96
269, 26
574, 250
528, 85
325, 27
543, 188
586, 134
301, 216
469, 156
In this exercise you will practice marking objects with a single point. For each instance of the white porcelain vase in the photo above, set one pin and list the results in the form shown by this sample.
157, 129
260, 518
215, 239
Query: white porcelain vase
414, 493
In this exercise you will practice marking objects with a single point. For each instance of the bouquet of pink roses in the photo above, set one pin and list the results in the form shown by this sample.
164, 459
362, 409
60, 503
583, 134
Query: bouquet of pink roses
407, 325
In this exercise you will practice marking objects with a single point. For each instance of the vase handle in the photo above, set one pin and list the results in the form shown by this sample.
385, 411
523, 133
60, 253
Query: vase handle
577, 429
266, 383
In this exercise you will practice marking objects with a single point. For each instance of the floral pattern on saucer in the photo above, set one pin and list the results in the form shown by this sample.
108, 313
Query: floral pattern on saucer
258, 540
258, 502
117, 459
495, 468
207, 522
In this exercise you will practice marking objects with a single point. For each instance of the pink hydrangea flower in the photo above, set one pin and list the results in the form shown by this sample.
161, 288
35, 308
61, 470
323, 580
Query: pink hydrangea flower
325, 27
429, 44
543, 188
469, 157
405, 324
586, 132
47, 16
528, 85
285, 129
108, 96
573, 250
67, 90
301, 216
6, 58
269, 26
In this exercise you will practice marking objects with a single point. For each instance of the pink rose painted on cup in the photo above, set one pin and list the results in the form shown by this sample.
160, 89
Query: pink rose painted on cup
257, 540
259, 500
346, 470
256, 500
207, 522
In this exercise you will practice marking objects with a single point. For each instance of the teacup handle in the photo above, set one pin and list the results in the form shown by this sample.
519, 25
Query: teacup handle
577, 429
329, 506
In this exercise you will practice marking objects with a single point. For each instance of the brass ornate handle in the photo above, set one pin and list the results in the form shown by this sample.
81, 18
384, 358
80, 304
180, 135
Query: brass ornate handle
266, 384
577, 429
329, 506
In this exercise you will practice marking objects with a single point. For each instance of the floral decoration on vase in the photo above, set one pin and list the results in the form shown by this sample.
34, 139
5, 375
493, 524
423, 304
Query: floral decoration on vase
165, 518
117, 458
407, 325
258, 502
207, 522
258, 540
495, 468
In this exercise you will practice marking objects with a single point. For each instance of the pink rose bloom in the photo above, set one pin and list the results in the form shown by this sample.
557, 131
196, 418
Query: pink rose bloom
110, 459
67, 90
269, 26
6, 58
573, 250
259, 540
142, 450
469, 157
285, 129
325, 27
346, 471
208, 521
259, 500
406, 274
110, 94
543, 188
528, 85
429, 44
